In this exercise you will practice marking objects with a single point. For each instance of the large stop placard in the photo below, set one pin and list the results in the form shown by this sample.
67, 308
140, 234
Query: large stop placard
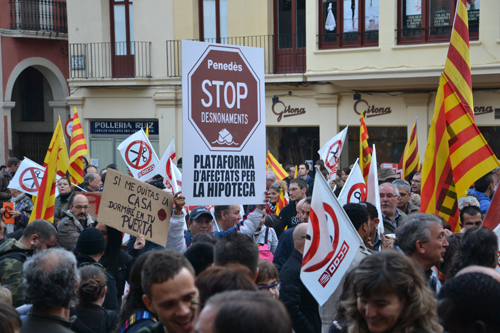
224, 145
223, 92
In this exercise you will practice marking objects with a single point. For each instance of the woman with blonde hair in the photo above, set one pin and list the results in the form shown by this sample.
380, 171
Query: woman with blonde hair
388, 294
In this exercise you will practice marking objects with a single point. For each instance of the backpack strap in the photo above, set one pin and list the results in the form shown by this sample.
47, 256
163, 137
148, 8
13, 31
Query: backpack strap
267, 235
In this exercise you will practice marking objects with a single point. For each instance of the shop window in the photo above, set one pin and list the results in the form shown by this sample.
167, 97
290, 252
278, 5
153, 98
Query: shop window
348, 23
492, 136
213, 21
427, 21
389, 141
293, 145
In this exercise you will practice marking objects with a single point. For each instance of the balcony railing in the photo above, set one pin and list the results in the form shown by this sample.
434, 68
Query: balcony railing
110, 60
38, 15
283, 54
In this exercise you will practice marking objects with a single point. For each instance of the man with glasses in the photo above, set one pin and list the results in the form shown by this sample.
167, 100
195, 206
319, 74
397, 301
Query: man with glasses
416, 186
393, 217
74, 221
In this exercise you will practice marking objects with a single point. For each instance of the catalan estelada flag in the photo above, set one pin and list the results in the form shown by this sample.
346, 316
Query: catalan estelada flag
62, 160
44, 203
365, 152
457, 154
282, 202
273, 164
78, 148
410, 160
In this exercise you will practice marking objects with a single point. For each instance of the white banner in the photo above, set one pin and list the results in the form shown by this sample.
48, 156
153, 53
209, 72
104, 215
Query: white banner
354, 189
331, 243
330, 154
163, 167
28, 177
372, 191
224, 137
497, 232
139, 155
176, 178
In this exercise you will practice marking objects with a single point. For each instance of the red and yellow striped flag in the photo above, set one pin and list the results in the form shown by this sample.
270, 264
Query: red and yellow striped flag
365, 152
457, 154
272, 163
78, 148
282, 202
410, 158
457, 66
62, 160
44, 203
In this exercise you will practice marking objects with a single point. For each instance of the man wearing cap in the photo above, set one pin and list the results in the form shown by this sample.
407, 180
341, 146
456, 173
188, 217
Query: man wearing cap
386, 175
89, 249
200, 221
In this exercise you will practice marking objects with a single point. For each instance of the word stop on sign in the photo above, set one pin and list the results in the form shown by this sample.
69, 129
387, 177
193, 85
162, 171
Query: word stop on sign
232, 94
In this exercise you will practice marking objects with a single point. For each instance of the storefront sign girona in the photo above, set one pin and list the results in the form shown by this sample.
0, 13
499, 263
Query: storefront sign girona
370, 110
282, 110
480, 110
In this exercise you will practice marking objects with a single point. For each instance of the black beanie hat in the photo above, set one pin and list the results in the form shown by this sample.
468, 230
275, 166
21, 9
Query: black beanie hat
91, 241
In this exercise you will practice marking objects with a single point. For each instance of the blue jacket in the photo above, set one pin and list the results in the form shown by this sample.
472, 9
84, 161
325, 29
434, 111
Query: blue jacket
484, 200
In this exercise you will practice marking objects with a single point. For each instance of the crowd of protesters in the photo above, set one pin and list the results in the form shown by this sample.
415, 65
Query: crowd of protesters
237, 268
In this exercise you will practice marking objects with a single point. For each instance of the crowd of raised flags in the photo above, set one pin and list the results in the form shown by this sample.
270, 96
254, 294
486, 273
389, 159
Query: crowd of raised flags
456, 156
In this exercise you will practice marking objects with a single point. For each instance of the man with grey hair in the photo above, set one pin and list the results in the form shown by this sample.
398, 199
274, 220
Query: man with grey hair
393, 217
404, 203
270, 178
422, 239
93, 181
51, 282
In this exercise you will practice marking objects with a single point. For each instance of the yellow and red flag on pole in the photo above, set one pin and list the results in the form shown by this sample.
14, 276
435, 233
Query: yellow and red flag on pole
62, 160
410, 160
457, 154
45, 200
77, 149
365, 152
282, 202
147, 131
272, 163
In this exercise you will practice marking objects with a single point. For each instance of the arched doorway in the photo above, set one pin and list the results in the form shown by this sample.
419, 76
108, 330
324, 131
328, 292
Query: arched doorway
37, 90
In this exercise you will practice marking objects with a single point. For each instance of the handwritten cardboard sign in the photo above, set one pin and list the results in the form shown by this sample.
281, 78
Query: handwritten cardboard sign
135, 207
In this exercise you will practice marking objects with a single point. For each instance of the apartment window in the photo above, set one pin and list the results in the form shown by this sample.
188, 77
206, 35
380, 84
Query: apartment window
213, 21
348, 23
427, 21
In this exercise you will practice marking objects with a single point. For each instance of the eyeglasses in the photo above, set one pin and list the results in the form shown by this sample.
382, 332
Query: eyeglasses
275, 286
81, 207
388, 196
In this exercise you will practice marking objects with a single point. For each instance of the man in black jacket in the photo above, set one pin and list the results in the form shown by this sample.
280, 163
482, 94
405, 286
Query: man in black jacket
301, 305
297, 189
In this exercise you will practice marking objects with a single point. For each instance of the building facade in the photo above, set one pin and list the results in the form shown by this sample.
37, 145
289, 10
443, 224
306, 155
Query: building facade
325, 62
33, 75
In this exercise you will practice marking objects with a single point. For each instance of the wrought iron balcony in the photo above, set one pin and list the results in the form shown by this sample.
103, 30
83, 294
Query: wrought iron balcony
283, 53
38, 15
110, 60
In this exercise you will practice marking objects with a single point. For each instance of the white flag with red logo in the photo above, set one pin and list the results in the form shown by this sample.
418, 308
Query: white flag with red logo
164, 168
354, 189
28, 177
330, 154
139, 155
176, 178
331, 244
372, 191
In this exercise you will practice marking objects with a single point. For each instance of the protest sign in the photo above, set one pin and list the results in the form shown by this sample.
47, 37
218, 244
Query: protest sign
135, 207
163, 168
330, 154
224, 135
354, 189
7, 216
94, 202
139, 155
